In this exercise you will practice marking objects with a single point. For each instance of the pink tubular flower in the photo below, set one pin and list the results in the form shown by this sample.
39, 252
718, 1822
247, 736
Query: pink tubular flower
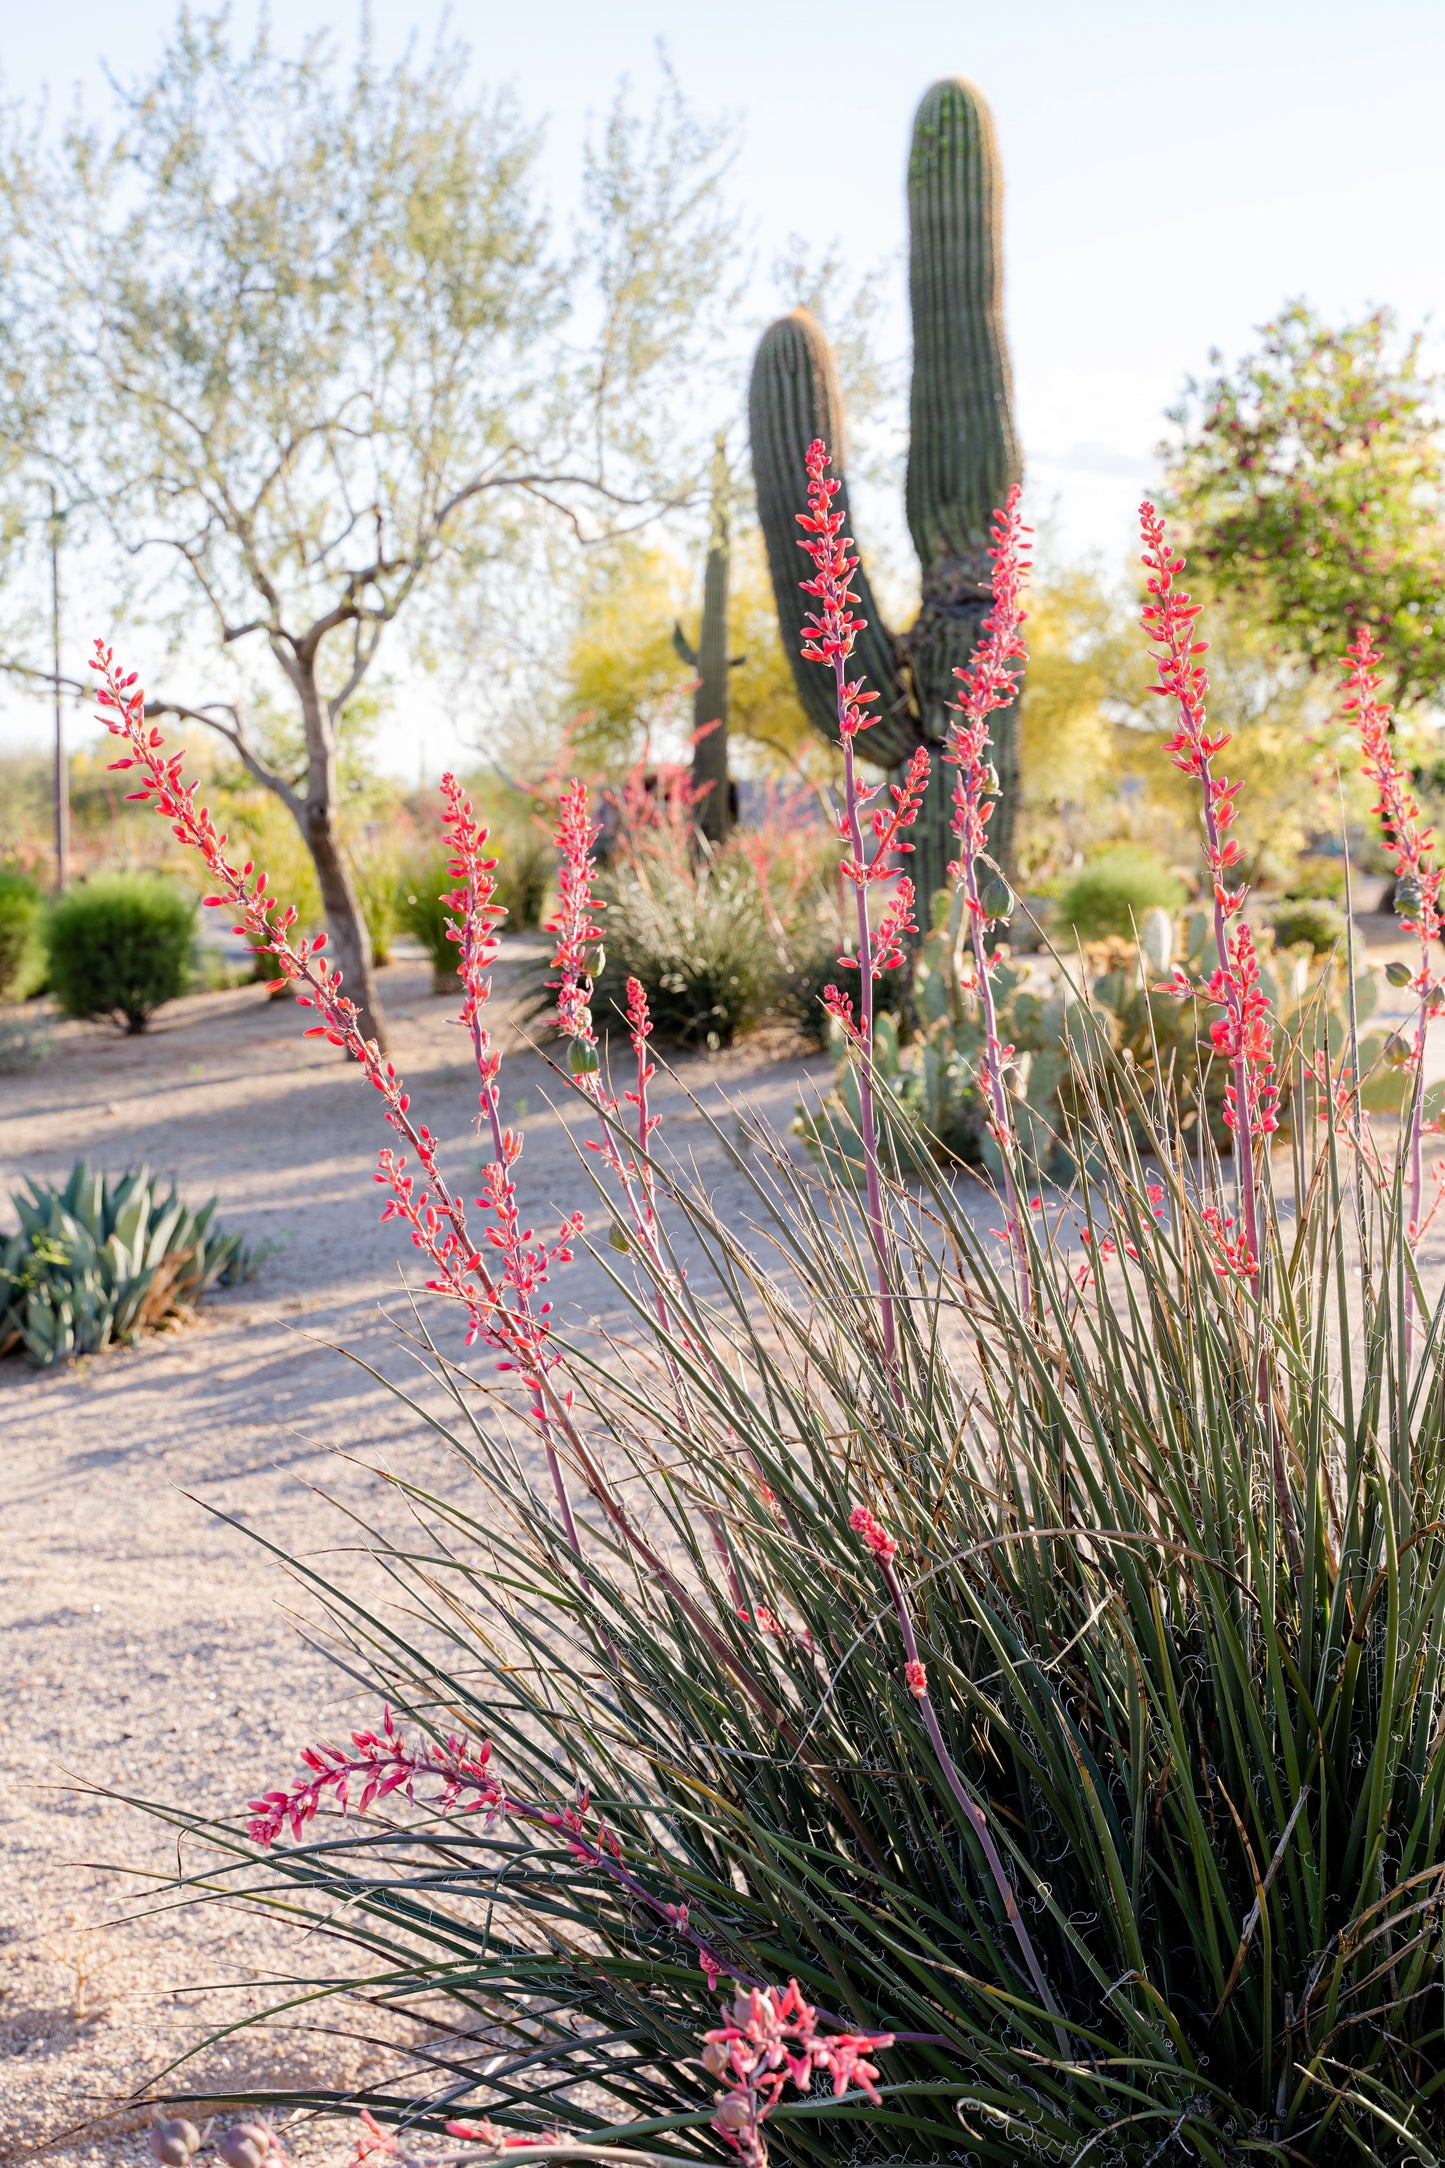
877, 1538
768, 2040
574, 923
917, 1678
1244, 1037
829, 634
1417, 887
990, 682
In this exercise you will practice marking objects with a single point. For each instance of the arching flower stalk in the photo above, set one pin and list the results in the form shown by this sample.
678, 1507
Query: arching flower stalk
829, 635
1244, 1035
525, 1263
990, 682
1417, 900
494, 1291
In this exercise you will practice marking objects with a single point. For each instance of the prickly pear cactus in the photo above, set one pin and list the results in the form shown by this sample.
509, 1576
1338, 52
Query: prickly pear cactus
963, 458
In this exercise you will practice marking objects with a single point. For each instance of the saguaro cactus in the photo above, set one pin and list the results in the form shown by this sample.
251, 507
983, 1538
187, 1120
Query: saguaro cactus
963, 457
712, 663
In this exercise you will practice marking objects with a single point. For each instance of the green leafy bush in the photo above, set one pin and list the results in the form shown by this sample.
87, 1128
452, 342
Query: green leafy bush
119, 947
1114, 891
99, 1261
378, 878
526, 865
1308, 921
1319, 877
422, 914
19, 929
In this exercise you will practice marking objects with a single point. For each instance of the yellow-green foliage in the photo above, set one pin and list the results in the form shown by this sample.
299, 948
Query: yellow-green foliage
625, 680
1094, 768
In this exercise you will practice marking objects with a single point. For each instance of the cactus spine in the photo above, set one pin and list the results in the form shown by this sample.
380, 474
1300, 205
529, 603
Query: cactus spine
963, 457
711, 662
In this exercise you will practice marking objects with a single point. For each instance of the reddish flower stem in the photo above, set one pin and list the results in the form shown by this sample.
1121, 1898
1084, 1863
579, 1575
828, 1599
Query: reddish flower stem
1245, 1035
989, 683
885, 1549
479, 916
829, 635
1417, 884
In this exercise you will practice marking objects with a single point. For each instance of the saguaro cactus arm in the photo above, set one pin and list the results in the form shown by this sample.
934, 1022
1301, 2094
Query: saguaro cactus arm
963, 459
963, 454
794, 398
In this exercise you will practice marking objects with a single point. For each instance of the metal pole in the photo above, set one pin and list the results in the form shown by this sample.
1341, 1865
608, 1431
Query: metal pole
62, 769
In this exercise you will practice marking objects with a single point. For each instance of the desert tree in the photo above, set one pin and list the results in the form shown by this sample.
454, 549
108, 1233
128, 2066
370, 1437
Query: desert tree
297, 340
1309, 482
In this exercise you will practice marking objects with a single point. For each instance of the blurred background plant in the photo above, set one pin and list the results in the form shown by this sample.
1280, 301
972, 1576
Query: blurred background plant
720, 937
119, 947
98, 1260
22, 948
1118, 886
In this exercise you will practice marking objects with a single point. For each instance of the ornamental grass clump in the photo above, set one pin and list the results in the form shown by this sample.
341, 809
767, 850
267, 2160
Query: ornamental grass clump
983, 1648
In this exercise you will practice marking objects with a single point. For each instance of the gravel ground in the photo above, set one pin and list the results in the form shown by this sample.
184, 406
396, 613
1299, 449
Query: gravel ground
148, 1647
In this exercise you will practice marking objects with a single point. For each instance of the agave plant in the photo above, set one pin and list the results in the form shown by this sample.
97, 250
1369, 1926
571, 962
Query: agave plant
101, 1260
1023, 1639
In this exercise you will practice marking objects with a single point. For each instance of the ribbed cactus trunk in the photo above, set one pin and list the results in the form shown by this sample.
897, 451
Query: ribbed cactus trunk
710, 779
963, 454
963, 459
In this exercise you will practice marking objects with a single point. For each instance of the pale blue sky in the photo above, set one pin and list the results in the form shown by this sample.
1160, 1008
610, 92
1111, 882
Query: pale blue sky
1173, 172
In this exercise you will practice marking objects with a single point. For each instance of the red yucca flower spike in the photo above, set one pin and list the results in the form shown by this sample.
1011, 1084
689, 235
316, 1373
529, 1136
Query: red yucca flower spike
498, 1280
1244, 1035
767, 2040
990, 682
829, 634
1410, 844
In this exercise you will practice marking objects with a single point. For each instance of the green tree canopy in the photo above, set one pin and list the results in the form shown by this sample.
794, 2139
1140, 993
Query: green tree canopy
1310, 487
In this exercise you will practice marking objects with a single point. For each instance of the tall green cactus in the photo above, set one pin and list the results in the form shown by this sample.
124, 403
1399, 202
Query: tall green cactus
711, 661
963, 458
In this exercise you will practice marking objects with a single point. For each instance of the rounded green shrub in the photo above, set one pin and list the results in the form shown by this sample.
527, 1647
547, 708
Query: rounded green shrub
1308, 918
120, 947
1114, 891
19, 922
1319, 877
425, 917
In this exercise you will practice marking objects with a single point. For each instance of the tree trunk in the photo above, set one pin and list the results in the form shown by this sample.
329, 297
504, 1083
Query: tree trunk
345, 926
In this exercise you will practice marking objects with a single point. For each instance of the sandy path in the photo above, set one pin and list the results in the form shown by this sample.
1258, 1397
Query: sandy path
146, 1645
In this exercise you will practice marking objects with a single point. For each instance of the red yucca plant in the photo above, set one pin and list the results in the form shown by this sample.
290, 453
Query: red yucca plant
1000, 1662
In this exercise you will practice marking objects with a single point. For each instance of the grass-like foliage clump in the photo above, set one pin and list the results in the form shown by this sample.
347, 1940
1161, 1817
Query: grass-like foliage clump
1015, 1619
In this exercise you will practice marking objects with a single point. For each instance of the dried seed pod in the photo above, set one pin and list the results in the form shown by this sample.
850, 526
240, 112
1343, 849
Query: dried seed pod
173, 2140
239, 2149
